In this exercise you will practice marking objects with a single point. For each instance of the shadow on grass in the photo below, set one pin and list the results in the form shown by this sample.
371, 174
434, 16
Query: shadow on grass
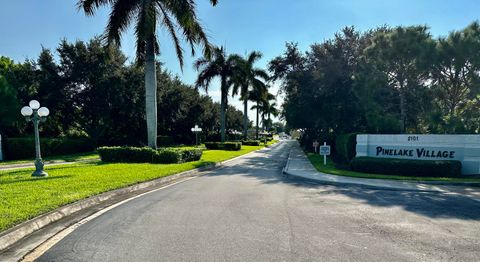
33, 179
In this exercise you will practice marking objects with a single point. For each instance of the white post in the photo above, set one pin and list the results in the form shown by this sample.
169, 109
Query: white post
324, 156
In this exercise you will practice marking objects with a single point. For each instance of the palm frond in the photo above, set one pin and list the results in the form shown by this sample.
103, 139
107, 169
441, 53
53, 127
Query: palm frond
171, 28
90, 6
123, 11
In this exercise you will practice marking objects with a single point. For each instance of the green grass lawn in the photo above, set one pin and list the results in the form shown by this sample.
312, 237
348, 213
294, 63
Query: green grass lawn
66, 158
330, 168
23, 197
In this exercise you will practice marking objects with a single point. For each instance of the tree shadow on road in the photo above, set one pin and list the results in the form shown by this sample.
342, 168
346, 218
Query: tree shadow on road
267, 168
425, 203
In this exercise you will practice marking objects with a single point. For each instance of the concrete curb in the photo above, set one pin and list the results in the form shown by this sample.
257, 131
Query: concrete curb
385, 187
13, 235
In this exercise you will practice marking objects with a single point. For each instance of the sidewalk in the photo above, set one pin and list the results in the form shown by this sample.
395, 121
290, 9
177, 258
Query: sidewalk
298, 165
47, 163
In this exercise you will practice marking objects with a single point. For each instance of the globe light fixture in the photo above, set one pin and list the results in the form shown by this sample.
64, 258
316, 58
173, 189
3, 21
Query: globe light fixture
196, 130
43, 111
33, 112
26, 111
34, 104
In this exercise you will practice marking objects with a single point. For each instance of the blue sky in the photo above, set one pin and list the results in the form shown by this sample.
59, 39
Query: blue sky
240, 25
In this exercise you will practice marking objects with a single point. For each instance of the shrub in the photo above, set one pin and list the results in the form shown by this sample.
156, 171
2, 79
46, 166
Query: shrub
345, 146
407, 167
251, 142
191, 155
148, 155
231, 146
24, 147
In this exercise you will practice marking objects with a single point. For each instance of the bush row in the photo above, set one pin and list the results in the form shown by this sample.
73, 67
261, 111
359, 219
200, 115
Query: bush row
251, 142
24, 147
232, 146
148, 155
405, 167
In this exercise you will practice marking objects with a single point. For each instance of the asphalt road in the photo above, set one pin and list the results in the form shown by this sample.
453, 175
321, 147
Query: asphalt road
249, 212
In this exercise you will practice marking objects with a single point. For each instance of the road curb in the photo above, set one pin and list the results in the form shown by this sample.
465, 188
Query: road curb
386, 187
17, 233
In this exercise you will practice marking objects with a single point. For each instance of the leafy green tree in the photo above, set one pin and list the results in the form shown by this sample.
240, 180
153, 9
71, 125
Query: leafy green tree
222, 66
404, 55
456, 83
173, 15
9, 111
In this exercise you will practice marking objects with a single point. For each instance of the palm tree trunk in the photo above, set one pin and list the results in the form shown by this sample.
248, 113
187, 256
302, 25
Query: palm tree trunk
151, 94
222, 110
269, 123
245, 119
256, 132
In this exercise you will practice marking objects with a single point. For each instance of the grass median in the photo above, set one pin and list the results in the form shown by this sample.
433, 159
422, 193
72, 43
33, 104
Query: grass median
331, 169
24, 197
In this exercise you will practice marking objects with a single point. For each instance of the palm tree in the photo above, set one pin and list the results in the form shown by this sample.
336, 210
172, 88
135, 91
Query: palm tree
257, 95
265, 108
269, 109
174, 15
245, 78
222, 66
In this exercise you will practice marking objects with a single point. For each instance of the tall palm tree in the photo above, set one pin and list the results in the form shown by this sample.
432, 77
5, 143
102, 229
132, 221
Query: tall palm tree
269, 109
265, 107
245, 78
257, 95
174, 15
222, 66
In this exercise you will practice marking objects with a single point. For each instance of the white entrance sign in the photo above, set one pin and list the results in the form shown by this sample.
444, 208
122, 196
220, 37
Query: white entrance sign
464, 148
324, 151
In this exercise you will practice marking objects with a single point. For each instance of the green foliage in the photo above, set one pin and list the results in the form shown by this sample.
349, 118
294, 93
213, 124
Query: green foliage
92, 90
230, 146
24, 147
405, 167
251, 142
345, 146
165, 141
385, 80
148, 155
9, 103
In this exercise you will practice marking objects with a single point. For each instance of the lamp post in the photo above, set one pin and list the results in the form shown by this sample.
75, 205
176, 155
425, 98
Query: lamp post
33, 112
196, 130
236, 134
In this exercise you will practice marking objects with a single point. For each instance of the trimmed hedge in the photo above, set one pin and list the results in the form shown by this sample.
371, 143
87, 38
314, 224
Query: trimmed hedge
231, 146
407, 167
251, 142
148, 155
24, 147
345, 146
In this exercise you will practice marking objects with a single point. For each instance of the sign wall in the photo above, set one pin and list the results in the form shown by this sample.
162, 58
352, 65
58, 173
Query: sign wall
465, 148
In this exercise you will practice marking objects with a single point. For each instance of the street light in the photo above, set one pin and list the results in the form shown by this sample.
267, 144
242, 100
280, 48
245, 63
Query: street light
196, 130
39, 115
236, 134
